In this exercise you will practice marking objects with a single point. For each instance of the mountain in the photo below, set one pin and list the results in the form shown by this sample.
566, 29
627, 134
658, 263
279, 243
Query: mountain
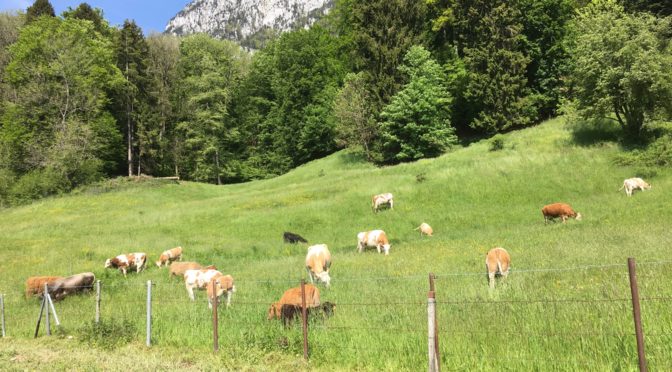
248, 22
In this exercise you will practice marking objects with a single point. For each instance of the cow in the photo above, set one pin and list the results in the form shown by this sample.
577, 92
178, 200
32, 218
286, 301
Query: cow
375, 238
222, 284
288, 312
632, 184
168, 256
497, 262
179, 268
35, 284
425, 229
292, 296
561, 210
201, 279
379, 200
60, 288
124, 262
318, 261
292, 238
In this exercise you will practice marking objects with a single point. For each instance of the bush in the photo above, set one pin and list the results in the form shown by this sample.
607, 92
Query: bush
37, 184
7, 179
496, 143
657, 154
108, 334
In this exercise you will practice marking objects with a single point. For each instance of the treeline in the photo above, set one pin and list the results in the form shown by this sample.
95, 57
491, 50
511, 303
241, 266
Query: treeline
396, 80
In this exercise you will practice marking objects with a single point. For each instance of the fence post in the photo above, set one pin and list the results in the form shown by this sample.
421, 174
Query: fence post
2, 313
97, 301
47, 324
637, 314
53, 309
304, 319
39, 318
149, 313
215, 318
432, 334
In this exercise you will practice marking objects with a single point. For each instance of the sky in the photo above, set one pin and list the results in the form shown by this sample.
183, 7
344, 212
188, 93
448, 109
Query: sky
150, 15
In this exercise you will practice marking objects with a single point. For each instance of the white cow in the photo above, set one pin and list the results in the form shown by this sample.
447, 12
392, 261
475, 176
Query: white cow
381, 199
198, 279
318, 261
375, 238
632, 184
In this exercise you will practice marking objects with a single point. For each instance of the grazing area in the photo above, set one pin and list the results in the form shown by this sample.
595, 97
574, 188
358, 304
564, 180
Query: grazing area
565, 304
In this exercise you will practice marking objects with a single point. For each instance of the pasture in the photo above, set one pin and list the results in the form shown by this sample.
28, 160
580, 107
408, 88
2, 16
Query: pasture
564, 306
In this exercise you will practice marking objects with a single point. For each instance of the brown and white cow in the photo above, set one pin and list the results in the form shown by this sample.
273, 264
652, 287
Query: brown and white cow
318, 262
292, 296
179, 268
72, 284
561, 210
632, 184
222, 284
497, 262
167, 257
202, 279
379, 200
124, 262
35, 284
425, 229
374, 238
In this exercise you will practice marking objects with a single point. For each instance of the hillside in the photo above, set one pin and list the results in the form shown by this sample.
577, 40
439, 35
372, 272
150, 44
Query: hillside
474, 199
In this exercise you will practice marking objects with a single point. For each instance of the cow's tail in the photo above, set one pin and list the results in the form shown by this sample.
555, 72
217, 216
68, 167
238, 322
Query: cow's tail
622, 187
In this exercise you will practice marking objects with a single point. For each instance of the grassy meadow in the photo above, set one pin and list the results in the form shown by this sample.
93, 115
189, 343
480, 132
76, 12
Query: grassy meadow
565, 305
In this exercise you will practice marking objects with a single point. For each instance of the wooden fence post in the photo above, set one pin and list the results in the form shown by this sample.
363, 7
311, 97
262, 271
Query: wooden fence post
2, 313
215, 318
432, 333
149, 313
304, 319
637, 314
97, 301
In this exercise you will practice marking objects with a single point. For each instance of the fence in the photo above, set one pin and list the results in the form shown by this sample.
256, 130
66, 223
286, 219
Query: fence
596, 325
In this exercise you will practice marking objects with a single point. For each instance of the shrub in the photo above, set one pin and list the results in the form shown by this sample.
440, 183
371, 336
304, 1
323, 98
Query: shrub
37, 184
107, 334
496, 143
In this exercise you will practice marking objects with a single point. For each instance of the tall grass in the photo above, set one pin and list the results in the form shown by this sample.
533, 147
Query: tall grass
539, 319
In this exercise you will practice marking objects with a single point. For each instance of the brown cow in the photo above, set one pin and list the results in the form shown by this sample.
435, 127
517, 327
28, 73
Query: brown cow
72, 284
168, 256
497, 262
35, 284
425, 229
223, 283
561, 210
123, 262
179, 268
292, 296
289, 312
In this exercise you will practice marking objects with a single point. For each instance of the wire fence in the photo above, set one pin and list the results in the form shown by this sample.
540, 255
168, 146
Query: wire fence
596, 321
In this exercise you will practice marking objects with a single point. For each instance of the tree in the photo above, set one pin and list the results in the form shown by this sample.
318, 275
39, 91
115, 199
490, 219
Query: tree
416, 123
38, 9
85, 11
660, 8
622, 66
356, 126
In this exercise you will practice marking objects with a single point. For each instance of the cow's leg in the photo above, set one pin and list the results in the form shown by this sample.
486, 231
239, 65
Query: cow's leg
564, 218
378, 247
310, 274
190, 291
229, 293
123, 270
360, 247
391, 204
491, 279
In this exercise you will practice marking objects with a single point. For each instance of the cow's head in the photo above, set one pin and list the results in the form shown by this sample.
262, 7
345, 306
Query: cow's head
386, 249
324, 278
274, 311
108, 263
578, 216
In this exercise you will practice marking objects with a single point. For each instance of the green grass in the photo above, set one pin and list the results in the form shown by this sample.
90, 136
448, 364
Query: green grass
474, 199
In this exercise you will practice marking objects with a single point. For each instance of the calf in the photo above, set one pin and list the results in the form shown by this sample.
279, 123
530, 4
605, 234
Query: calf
318, 262
289, 312
497, 262
425, 229
292, 296
123, 262
72, 284
35, 284
167, 257
222, 284
377, 201
561, 210
289, 237
375, 238
632, 184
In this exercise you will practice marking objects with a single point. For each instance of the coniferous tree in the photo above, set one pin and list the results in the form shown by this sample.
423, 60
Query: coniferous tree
38, 9
85, 11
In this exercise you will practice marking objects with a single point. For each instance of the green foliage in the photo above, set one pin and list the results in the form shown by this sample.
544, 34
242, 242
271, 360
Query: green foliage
416, 123
656, 154
661, 8
86, 12
622, 67
107, 334
38, 9
356, 127
496, 143
37, 184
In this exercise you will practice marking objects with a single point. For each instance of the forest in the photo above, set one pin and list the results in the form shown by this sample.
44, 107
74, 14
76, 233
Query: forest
82, 100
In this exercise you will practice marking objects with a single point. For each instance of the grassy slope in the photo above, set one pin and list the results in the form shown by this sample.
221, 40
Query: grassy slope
474, 199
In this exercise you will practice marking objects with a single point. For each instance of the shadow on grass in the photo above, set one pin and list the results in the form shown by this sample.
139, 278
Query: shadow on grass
591, 133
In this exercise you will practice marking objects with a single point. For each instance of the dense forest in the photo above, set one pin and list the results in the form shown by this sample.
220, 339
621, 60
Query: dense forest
393, 80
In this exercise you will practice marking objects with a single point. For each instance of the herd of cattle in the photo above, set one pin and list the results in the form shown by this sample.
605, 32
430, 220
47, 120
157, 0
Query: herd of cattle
318, 263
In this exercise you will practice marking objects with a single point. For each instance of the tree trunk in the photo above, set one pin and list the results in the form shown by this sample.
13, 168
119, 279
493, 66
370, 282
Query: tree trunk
219, 180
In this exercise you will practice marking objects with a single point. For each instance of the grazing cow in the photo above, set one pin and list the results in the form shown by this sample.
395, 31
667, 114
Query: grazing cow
379, 200
35, 284
223, 284
292, 296
200, 279
167, 257
425, 229
72, 284
124, 262
289, 237
497, 262
179, 268
632, 184
375, 238
318, 261
561, 210
289, 312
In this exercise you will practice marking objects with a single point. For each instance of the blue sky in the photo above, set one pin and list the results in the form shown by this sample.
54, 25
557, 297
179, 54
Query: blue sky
151, 15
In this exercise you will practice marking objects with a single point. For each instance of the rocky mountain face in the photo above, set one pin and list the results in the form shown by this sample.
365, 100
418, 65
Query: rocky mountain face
248, 22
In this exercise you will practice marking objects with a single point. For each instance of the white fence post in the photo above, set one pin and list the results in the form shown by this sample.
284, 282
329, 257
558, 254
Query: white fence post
2, 313
97, 301
45, 299
149, 313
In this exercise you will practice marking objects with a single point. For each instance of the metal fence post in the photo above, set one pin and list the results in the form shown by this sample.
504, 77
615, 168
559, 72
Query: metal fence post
304, 319
97, 301
39, 318
2, 313
149, 313
432, 334
215, 320
47, 323
637, 314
